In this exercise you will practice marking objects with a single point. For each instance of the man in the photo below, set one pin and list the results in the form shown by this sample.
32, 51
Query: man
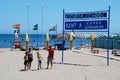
50, 57
30, 58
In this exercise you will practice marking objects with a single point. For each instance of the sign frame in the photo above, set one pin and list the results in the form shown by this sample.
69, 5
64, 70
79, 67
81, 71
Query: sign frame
88, 18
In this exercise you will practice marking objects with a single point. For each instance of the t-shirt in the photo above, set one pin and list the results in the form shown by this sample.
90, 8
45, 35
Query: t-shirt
29, 54
51, 52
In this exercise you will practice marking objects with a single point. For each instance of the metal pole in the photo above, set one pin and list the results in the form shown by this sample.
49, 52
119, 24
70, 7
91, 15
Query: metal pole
37, 37
28, 18
56, 29
42, 26
63, 39
108, 38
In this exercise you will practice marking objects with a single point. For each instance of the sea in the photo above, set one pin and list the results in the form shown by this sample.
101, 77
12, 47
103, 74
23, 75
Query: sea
6, 40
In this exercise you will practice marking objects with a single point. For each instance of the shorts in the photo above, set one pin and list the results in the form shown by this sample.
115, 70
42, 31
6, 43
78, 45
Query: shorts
49, 59
25, 62
30, 59
39, 61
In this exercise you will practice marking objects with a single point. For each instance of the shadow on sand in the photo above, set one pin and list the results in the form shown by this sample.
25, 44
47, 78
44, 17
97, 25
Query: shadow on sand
22, 70
72, 64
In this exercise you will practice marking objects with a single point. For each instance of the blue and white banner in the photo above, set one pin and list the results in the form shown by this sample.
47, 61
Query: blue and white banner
86, 25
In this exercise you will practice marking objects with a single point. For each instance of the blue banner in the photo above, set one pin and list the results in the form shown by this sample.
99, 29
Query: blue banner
86, 25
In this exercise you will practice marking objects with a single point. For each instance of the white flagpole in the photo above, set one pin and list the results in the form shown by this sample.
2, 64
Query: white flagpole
42, 26
28, 18
56, 29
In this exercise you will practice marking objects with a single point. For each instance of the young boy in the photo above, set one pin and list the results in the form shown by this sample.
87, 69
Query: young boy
26, 61
39, 60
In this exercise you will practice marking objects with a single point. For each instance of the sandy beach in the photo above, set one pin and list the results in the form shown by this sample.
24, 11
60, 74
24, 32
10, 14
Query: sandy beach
78, 65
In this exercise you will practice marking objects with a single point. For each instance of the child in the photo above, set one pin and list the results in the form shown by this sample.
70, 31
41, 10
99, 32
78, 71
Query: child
39, 60
26, 61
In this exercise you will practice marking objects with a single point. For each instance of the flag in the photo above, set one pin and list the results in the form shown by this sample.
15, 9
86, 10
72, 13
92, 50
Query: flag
35, 27
52, 29
16, 26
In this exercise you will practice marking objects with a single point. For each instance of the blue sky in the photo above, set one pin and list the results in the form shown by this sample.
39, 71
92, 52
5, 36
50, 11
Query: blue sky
15, 11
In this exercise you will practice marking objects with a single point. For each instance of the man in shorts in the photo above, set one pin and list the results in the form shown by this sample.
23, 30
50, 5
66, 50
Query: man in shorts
30, 58
50, 57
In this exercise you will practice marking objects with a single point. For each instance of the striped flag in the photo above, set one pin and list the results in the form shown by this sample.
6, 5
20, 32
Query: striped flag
52, 29
35, 27
16, 26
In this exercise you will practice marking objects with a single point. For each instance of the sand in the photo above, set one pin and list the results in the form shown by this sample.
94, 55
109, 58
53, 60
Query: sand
78, 65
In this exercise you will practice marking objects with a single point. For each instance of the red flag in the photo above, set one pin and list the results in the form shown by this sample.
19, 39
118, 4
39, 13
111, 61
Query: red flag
16, 26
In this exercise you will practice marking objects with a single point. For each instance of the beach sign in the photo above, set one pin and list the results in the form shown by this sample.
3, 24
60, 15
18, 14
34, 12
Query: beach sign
16, 42
95, 21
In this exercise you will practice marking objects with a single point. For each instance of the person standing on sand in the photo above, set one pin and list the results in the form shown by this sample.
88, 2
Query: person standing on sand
26, 61
39, 60
50, 57
30, 58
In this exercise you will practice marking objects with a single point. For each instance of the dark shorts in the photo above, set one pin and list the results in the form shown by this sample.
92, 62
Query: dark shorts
39, 61
25, 62
49, 59
30, 59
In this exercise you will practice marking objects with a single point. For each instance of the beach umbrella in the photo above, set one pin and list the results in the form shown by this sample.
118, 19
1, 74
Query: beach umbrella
92, 41
71, 37
26, 42
47, 41
70, 40
92, 36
